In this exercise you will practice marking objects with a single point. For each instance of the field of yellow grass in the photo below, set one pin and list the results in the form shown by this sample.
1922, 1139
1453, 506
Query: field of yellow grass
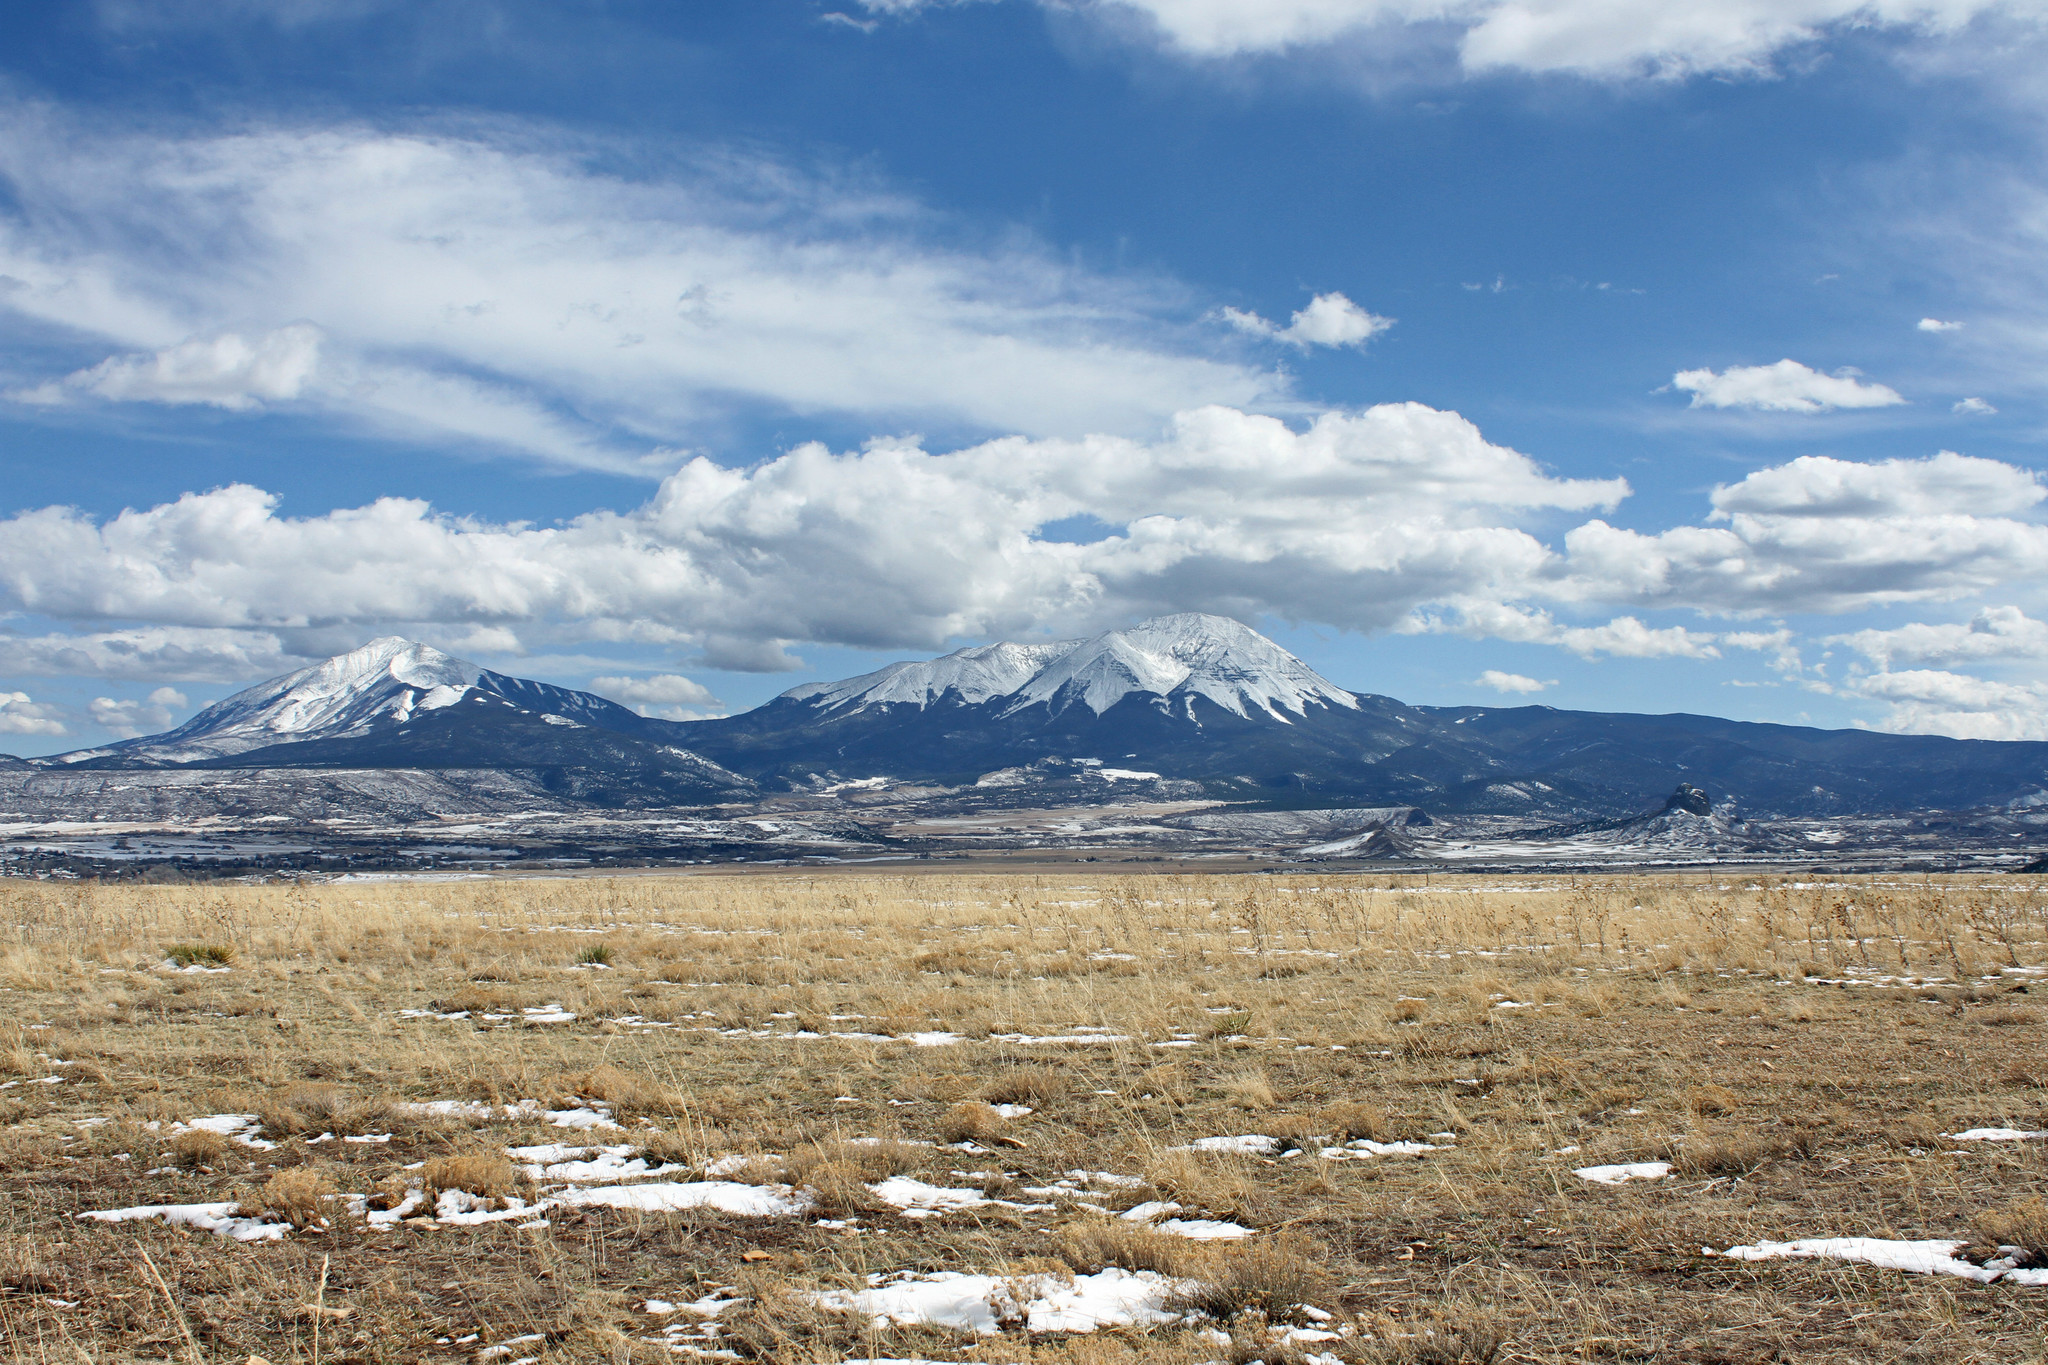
1070, 1117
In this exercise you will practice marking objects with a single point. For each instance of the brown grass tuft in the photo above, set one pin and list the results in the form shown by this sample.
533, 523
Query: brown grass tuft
1712, 1100
1270, 1275
1092, 1246
1734, 1153
629, 1096
2023, 1224
1437, 1336
200, 1147
484, 1173
296, 1196
1036, 1086
971, 1121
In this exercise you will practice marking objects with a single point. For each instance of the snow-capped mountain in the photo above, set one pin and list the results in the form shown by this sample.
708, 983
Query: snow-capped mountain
382, 685
1204, 705
1169, 661
1181, 707
396, 704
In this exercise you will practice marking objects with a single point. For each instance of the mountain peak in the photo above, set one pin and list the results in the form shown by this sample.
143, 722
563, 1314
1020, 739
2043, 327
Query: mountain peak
1172, 658
385, 681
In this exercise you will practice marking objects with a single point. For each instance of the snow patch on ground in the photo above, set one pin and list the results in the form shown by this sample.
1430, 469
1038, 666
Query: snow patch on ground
1625, 1172
1997, 1135
221, 1219
726, 1196
919, 1200
986, 1304
1931, 1257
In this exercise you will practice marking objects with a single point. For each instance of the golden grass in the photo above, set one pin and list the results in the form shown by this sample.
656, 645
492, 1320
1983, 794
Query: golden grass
1797, 1050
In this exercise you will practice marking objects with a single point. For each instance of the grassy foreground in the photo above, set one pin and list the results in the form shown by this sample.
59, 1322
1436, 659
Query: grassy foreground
1795, 1051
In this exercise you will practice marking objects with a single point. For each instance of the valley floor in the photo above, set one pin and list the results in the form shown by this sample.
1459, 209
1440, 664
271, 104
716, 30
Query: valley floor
128, 824
1075, 1117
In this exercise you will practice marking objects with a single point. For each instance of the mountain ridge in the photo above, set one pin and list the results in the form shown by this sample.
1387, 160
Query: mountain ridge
1180, 706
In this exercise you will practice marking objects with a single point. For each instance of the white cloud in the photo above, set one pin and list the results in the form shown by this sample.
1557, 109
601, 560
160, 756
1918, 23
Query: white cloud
1355, 520
1511, 682
1398, 516
1820, 486
1787, 386
2003, 632
1329, 320
1603, 38
127, 719
1973, 407
153, 653
1624, 636
223, 371
21, 715
1826, 535
1937, 325
668, 696
1933, 702
503, 290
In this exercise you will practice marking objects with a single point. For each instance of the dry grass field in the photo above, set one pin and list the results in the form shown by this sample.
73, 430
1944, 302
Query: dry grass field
852, 1117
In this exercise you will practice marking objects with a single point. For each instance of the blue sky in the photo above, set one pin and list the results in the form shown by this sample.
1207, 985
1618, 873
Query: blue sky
1601, 355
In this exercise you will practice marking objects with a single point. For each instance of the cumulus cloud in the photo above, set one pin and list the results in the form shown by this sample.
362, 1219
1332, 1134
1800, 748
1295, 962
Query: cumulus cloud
1511, 682
1787, 386
1934, 702
1329, 320
505, 290
1937, 325
22, 715
127, 719
2003, 632
1973, 407
1355, 519
668, 696
1398, 516
225, 371
1603, 38
1820, 486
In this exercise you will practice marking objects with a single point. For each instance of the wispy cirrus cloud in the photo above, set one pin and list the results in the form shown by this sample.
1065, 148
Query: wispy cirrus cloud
1594, 38
498, 288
